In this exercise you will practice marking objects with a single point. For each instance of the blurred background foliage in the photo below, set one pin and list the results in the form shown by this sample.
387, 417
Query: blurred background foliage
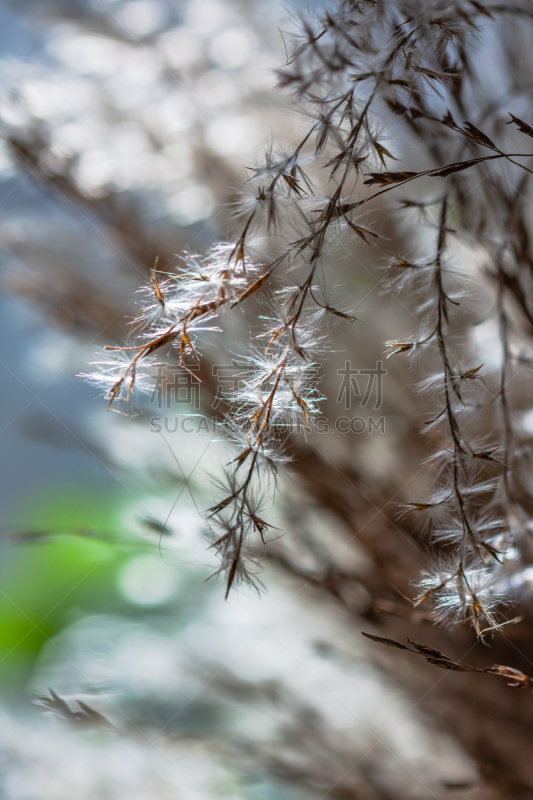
126, 94
56, 577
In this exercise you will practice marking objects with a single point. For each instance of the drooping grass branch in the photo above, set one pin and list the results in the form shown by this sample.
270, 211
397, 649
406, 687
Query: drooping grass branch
356, 65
